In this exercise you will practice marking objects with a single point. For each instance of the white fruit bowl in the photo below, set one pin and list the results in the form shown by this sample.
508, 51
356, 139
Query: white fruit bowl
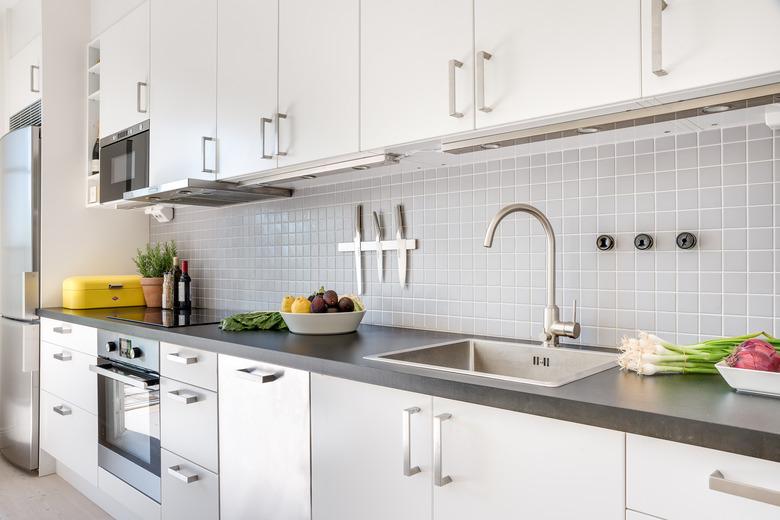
750, 381
323, 324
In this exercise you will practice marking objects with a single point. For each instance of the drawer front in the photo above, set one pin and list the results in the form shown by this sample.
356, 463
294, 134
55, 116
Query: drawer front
189, 365
633, 515
188, 422
65, 373
69, 335
672, 481
188, 490
69, 434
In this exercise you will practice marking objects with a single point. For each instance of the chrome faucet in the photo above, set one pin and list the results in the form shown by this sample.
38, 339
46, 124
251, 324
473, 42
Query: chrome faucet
553, 327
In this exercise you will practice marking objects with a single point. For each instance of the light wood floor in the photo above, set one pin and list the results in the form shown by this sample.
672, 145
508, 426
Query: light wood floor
25, 496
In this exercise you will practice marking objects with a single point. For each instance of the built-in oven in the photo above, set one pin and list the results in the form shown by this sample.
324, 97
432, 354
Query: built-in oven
124, 162
129, 411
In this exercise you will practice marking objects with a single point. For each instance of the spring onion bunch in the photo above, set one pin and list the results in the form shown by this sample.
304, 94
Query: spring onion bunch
648, 354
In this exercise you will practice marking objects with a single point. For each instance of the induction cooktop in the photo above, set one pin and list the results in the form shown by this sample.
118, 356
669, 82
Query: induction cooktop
167, 318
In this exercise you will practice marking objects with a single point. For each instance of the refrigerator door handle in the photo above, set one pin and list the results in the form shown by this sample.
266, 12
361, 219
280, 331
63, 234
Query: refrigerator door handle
30, 294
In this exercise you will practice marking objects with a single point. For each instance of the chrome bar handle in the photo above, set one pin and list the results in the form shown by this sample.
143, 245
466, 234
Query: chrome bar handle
407, 436
656, 29
62, 356
438, 479
203, 140
62, 330
33, 68
62, 409
186, 477
264, 121
454, 64
482, 57
258, 375
279, 116
720, 483
177, 357
138, 87
182, 397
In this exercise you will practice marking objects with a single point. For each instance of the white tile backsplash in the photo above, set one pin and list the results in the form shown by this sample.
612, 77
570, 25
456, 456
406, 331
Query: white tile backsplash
722, 185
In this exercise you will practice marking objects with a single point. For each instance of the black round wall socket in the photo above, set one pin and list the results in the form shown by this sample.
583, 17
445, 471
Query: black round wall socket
605, 242
686, 240
643, 241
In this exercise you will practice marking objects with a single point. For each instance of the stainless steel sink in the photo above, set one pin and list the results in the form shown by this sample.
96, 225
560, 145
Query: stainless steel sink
472, 359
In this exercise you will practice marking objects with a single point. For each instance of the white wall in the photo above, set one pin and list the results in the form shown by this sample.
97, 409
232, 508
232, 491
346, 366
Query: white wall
105, 13
74, 240
25, 19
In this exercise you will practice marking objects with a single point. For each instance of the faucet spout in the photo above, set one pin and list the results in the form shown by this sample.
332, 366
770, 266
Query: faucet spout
553, 327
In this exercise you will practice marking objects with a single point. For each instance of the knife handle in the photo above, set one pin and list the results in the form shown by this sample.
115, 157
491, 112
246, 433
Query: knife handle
358, 218
399, 222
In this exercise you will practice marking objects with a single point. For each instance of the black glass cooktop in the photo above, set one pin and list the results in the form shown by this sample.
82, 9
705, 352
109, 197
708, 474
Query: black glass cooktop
169, 319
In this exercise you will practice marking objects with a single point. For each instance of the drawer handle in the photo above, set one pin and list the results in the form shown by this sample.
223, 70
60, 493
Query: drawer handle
407, 434
183, 397
720, 483
63, 330
62, 409
438, 479
258, 375
186, 477
656, 27
186, 359
62, 356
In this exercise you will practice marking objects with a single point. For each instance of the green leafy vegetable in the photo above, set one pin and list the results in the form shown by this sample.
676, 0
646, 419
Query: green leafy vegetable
260, 320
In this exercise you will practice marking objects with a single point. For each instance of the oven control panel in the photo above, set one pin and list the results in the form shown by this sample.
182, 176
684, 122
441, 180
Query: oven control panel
132, 350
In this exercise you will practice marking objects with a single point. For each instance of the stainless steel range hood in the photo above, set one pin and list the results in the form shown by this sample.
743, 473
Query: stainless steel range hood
196, 192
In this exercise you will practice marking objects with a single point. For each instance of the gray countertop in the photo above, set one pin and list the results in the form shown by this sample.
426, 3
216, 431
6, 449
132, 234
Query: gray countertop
694, 409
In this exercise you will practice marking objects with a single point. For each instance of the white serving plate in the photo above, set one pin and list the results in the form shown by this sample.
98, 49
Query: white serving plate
750, 381
323, 324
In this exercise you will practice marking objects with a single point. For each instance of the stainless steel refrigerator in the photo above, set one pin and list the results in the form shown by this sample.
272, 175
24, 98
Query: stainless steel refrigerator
20, 295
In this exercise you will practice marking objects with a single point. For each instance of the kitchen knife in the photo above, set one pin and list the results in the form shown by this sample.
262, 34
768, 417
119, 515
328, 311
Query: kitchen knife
401, 244
379, 254
358, 262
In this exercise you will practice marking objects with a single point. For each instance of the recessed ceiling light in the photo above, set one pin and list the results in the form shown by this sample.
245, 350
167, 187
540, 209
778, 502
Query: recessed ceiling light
587, 130
360, 168
715, 109
489, 146
308, 177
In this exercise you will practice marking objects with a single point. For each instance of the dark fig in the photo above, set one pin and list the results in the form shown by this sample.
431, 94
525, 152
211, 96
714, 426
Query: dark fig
331, 298
346, 305
318, 304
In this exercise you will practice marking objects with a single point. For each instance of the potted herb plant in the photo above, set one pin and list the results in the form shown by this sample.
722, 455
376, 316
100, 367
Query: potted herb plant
152, 263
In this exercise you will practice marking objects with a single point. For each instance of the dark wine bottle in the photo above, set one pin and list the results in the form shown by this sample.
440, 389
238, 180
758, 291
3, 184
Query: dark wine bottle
96, 157
184, 298
176, 272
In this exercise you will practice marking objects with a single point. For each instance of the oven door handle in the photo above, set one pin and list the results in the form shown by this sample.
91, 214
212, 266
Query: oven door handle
125, 376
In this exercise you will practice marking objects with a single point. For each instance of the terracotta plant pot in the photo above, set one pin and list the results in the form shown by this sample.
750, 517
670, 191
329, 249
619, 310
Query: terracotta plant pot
152, 291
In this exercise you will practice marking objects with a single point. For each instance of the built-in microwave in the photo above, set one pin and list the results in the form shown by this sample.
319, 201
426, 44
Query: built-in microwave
124, 162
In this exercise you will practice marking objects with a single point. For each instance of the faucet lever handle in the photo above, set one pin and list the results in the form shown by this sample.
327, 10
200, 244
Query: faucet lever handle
574, 310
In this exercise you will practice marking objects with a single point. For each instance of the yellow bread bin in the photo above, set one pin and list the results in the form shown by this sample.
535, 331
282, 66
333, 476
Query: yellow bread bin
94, 292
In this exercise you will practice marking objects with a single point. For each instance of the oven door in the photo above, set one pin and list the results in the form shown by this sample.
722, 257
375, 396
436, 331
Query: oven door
129, 425
124, 164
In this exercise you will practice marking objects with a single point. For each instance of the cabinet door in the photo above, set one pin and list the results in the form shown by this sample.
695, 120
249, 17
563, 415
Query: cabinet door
264, 444
188, 490
405, 50
554, 56
506, 464
246, 86
182, 142
319, 81
709, 41
358, 450
24, 76
124, 72
70, 435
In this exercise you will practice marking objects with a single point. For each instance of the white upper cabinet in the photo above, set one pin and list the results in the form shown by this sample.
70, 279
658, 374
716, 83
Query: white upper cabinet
319, 82
124, 72
24, 76
551, 57
702, 42
183, 90
416, 70
361, 437
505, 464
247, 86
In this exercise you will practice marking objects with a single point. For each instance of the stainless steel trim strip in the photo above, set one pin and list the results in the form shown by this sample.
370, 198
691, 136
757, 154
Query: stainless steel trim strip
127, 378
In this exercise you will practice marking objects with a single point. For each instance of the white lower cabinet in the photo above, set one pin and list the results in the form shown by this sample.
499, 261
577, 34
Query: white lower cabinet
69, 434
65, 372
360, 443
189, 491
188, 422
673, 481
264, 441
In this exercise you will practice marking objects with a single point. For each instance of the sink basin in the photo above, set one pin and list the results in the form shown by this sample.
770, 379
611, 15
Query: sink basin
480, 361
